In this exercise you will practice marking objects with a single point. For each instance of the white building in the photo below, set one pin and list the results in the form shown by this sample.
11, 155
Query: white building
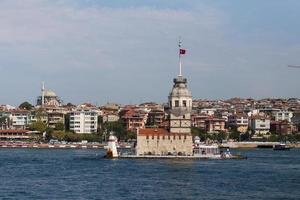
19, 119
283, 115
110, 118
259, 125
83, 121
208, 111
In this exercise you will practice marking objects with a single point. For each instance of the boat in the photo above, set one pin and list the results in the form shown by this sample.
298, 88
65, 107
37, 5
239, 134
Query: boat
281, 147
212, 151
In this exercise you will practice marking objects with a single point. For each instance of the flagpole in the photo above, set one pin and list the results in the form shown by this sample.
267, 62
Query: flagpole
179, 45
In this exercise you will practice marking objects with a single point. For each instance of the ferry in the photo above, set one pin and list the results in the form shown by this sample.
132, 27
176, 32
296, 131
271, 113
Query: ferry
211, 152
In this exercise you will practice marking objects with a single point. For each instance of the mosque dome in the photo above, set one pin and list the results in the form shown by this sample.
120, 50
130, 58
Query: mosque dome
50, 93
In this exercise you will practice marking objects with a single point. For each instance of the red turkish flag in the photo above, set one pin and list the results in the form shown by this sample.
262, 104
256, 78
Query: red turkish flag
182, 51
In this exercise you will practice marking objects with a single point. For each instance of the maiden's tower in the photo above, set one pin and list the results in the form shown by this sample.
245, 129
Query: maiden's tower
177, 140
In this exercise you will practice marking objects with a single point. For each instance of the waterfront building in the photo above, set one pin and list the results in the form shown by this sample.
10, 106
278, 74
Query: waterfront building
19, 119
239, 122
156, 118
134, 118
54, 118
199, 121
38, 114
296, 119
18, 135
55, 115
215, 125
283, 127
259, 125
178, 139
283, 115
83, 120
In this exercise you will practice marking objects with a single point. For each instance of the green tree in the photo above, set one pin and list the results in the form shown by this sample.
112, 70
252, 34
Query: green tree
200, 133
67, 122
235, 135
70, 104
58, 135
219, 137
4, 121
49, 132
59, 126
245, 136
26, 105
119, 130
38, 126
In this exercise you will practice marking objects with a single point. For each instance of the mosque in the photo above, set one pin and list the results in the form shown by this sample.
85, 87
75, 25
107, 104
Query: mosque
177, 140
48, 98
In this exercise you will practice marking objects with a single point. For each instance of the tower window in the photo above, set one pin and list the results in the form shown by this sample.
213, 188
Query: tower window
184, 103
176, 103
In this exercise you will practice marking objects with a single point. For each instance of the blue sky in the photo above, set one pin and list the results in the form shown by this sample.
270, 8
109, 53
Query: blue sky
126, 51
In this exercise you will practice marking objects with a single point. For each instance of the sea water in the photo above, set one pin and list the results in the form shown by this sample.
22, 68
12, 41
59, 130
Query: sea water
84, 174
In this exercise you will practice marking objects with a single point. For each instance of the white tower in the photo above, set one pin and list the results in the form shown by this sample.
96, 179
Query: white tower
112, 146
43, 93
180, 102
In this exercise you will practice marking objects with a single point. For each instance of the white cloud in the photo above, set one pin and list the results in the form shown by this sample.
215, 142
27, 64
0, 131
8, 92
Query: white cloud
86, 43
56, 34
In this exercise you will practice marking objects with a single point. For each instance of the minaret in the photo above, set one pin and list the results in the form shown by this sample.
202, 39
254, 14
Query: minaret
180, 102
43, 94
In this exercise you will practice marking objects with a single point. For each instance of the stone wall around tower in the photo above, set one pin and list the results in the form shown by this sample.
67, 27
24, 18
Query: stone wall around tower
161, 142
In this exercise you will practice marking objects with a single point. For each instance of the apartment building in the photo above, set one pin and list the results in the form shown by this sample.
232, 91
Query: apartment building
83, 121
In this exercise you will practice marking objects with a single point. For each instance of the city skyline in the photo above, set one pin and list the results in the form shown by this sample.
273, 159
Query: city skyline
88, 51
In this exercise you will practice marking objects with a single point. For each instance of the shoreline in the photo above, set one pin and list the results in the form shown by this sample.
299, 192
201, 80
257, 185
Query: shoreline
230, 145
51, 146
253, 145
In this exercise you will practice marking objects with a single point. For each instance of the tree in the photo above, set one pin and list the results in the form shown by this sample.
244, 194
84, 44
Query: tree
59, 126
200, 133
245, 136
38, 126
67, 122
119, 130
26, 105
70, 104
4, 121
235, 135
220, 136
